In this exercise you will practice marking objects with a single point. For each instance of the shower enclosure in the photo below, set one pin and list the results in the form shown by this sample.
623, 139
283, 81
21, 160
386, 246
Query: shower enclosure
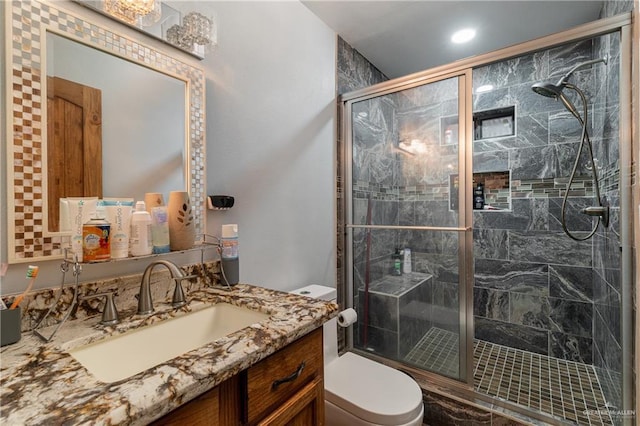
457, 260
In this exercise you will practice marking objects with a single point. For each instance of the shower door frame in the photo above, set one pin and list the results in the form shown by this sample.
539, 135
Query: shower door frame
628, 138
465, 212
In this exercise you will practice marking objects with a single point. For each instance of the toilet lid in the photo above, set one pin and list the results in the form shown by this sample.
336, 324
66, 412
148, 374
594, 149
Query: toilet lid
372, 391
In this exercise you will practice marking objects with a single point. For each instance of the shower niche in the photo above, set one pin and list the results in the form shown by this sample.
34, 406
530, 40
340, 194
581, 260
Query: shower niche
493, 123
496, 191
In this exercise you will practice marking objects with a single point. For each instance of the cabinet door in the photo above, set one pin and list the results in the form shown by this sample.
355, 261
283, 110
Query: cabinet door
221, 406
282, 375
305, 408
202, 411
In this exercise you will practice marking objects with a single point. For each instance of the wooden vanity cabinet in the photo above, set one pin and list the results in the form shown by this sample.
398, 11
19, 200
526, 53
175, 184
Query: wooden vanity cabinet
286, 388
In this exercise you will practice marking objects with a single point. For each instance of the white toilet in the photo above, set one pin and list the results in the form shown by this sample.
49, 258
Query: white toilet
361, 392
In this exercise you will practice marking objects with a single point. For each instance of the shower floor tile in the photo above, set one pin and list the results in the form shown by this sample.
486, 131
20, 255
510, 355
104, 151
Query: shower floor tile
563, 389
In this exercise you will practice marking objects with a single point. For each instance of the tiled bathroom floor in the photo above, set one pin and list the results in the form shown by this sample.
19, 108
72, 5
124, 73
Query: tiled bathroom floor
564, 389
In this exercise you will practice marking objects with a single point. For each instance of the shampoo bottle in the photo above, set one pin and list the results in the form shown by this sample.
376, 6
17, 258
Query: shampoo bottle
478, 197
140, 236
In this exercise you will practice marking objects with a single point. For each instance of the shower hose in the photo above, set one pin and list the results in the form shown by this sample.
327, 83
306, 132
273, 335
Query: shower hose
584, 139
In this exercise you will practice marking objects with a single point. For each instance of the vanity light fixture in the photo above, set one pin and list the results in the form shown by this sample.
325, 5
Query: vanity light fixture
463, 36
196, 30
145, 12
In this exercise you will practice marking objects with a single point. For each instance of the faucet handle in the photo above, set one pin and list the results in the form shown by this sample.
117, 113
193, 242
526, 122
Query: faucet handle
109, 312
179, 299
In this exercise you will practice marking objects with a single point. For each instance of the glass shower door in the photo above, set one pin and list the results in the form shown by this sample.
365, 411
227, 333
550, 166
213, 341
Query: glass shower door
408, 221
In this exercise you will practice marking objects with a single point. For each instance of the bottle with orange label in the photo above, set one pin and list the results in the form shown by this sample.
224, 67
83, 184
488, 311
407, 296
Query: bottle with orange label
96, 245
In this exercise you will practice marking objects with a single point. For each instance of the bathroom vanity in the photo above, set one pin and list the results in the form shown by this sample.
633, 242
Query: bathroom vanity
266, 373
285, 388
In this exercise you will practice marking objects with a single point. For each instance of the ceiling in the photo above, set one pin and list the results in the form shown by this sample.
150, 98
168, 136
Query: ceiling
403, 37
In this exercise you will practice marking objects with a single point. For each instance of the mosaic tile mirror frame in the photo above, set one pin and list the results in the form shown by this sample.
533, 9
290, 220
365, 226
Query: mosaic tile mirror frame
26, 25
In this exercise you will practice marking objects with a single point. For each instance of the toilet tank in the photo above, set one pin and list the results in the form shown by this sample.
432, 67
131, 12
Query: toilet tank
317, 292
330, 328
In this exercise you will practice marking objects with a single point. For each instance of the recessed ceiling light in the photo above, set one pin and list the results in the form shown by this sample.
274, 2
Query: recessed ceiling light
484, 88
463, 35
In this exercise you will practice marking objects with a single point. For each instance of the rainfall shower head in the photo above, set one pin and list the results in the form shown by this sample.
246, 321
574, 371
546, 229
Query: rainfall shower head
554, 91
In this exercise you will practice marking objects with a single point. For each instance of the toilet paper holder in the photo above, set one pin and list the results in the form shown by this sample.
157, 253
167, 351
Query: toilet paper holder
347, 317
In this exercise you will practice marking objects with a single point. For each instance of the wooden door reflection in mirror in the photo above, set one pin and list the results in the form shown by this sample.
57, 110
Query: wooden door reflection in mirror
74, 143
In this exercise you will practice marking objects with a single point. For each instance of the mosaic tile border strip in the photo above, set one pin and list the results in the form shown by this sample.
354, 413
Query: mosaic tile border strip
29, 21
582, 186
560, 388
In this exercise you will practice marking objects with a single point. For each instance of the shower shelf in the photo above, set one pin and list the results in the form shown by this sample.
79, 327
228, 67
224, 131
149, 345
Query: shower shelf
497, 187
494, 123
488, 124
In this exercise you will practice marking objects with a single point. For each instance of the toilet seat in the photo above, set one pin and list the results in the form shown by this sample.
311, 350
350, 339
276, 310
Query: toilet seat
372, 391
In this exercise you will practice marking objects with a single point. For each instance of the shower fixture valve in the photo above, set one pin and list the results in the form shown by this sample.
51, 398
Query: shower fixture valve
598, 211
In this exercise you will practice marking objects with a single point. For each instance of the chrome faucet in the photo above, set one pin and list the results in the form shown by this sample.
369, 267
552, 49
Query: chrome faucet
145, 304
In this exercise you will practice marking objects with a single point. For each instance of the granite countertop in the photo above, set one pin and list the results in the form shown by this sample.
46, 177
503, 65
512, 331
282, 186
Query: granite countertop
42, 384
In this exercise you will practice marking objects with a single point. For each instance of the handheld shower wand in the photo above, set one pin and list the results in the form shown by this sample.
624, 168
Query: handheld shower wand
555, 91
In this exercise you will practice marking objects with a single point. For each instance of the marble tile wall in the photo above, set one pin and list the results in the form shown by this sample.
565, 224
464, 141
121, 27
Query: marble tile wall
606, 243
536, 289
354, 72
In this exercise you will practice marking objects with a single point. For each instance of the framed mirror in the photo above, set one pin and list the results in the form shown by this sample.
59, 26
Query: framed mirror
142, 89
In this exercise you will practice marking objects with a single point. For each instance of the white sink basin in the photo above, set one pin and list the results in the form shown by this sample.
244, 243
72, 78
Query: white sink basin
119, 357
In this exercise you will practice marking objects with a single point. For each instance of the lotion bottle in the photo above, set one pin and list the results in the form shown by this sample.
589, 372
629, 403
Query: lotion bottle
140, 238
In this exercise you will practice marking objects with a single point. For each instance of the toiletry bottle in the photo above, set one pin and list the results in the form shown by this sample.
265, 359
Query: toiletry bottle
397, 262
229, 255
95, 237
448, 136
119, 212
140, 237
454, 183
406, 261
160, 229
478, 197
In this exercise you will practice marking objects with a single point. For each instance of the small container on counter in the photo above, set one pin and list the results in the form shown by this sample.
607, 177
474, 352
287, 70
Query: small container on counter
96, 245
10, 326
230, 258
